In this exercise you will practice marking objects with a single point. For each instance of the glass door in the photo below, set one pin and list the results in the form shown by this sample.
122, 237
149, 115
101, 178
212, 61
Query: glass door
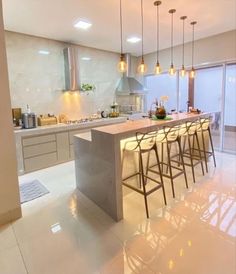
229, 135
208, 97
162, 85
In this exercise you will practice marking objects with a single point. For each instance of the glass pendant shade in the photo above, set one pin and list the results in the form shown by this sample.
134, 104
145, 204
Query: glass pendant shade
182, 72
172, 70
192, 73
142, 68
157, 69
122, 65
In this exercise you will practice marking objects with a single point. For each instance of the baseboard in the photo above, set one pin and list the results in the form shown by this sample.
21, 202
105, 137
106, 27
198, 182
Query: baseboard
10, 216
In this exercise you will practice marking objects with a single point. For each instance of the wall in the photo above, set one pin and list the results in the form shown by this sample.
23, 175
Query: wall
9, 191
38, 80
217, 48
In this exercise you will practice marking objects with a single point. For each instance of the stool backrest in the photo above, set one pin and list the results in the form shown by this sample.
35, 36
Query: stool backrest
172, 133
146, 140
193, 126
205, 123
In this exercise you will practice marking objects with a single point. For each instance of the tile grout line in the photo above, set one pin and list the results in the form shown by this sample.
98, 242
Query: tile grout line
19, 249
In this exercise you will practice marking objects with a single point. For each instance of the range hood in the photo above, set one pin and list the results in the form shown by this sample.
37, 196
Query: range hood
129, 85
71, 61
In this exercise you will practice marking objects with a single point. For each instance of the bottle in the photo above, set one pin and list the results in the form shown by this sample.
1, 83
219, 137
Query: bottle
28, 109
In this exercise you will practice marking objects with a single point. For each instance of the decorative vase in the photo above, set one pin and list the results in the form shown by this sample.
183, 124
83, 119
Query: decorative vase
160, 112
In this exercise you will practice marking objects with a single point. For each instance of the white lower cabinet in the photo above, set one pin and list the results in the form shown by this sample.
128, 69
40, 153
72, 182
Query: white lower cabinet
43, 151
63, 147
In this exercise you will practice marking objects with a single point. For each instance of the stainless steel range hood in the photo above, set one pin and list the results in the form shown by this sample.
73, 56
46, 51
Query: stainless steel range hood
71, 62
129, 85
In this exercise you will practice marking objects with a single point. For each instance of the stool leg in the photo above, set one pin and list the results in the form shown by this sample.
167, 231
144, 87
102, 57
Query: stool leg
204, 151
160, 172
182, 159
162, 155
199, 151
171, 175
140, 172
191, 157
212, 148
144, 185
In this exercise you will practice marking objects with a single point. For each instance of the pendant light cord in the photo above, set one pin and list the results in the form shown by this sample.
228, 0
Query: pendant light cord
183, 45
157, 34
193, 46
121, 29
142, 25
172, 25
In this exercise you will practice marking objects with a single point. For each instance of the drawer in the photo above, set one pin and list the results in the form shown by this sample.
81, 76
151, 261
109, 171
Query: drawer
74, 132
35, 150
38, 139
42, 161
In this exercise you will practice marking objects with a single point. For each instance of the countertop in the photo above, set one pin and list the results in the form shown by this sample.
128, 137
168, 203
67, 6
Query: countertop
63, 127
147, 124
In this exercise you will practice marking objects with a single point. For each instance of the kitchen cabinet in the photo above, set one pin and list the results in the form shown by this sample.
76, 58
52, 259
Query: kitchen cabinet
63, 147
46, 146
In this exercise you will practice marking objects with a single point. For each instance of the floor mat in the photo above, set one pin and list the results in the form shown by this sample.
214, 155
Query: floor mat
32, 190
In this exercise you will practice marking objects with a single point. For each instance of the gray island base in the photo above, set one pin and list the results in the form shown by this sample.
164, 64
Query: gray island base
98, 159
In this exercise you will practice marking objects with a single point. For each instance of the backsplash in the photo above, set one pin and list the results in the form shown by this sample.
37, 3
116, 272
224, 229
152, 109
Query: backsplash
36, 76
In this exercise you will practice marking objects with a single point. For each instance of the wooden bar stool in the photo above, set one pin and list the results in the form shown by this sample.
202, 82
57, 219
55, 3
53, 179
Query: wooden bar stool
189, 135
205, 128
144, 143
167, 137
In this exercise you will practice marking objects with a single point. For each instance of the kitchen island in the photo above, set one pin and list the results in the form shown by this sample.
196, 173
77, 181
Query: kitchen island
98, 159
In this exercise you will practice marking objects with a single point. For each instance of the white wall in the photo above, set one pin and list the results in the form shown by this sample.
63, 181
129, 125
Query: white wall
38, 80
9, 191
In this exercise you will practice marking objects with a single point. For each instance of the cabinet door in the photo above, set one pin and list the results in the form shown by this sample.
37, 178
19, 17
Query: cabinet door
63, 148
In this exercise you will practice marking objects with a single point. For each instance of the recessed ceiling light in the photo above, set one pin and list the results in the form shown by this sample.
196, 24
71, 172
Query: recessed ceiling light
86, 58
44, 52
82, 25
133, 39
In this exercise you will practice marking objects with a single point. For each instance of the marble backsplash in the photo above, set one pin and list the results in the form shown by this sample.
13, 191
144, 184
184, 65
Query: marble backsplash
38, 79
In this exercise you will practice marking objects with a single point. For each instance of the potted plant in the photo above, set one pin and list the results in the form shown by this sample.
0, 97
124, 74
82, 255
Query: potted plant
87, 87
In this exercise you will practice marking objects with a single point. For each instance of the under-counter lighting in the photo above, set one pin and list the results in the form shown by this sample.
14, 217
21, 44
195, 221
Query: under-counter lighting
86, 58
44, 52
133, 40
82, 25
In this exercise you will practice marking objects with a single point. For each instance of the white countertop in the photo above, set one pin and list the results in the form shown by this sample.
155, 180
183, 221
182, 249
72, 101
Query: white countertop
63, 127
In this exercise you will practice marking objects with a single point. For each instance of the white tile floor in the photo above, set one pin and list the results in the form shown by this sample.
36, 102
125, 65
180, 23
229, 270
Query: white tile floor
65, 233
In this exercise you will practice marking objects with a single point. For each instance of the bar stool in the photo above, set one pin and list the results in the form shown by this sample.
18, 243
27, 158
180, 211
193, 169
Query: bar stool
169, 136
205, 128
144, 143
189, 136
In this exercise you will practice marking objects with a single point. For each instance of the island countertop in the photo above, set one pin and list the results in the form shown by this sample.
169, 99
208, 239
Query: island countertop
147, 124
98, 159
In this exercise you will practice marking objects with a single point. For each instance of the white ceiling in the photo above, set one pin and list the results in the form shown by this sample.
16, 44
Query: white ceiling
55, 18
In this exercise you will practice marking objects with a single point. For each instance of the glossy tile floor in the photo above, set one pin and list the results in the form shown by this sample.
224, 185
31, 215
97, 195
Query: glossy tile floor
65, 233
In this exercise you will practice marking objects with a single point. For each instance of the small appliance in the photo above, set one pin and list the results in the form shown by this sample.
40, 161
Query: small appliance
29, 119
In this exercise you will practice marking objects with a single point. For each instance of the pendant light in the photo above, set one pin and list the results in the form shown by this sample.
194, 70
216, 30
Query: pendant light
142, 68
122, 65
157, 69
192, 72
183, 71
172, 69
